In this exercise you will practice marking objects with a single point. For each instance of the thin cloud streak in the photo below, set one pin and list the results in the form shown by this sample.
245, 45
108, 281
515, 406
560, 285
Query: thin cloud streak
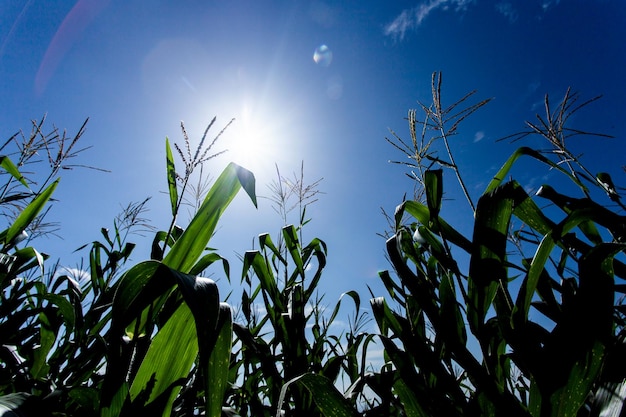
507, 9
410, 19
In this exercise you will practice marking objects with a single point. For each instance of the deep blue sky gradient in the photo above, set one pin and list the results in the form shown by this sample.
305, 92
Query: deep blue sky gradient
138, 68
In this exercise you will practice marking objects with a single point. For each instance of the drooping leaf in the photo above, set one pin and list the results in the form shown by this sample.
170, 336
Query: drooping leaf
318, 249
290, 234
188, 248
265, 241
254, 260
525, 151
207, 260
19, 404
422, 214
327, 398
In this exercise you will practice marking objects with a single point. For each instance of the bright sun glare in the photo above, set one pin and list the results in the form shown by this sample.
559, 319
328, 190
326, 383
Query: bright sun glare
257, 140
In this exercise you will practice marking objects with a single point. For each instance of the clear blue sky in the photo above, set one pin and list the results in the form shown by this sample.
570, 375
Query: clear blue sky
138, 68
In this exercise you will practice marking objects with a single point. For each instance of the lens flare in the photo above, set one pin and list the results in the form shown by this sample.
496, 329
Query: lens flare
323, 55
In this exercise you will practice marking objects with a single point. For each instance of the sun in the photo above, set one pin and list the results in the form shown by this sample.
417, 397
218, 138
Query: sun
259, 137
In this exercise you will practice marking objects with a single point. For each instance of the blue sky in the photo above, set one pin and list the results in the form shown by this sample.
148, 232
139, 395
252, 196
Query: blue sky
138, 68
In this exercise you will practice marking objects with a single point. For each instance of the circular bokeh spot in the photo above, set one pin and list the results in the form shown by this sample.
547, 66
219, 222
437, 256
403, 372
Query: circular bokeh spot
323, 55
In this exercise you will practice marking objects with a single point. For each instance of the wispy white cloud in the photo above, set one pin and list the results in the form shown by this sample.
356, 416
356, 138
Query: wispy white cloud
410, 19
80, 276
478, 136
547, 4
507, 9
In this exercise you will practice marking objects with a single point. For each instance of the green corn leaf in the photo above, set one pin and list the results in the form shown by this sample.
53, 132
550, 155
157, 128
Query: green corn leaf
576, 346
188, 248
422, 214
602, 216
357, 302
47, 337
527, 210
318, 249
409, 402
9, 166
385, 317
30, 212
171, 177
19, 404
327, 398
159, 375
113, 407
263, 271
219, 362
28, 258
454, 326
394, 290
488, 262
265, 241
66, 309
167, 363
86, 397
207, 260
568, 400
525, 151
138, 288
436, 248
290, 234
540, 258
433, 184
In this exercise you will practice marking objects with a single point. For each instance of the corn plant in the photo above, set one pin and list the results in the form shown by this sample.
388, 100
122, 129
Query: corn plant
42, 328
169, 331
131, 340
525, 317
286, 360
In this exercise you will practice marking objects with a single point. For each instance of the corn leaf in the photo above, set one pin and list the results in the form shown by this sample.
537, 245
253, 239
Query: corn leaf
9, 166
433, 184
575, 350
454, 327
139, 287
385, 318
219, 363
168, 361
171, 177
422, 214
410, 403
318, 249
488, 262
19, 404
189, 247
525, 151
30, 212
290, 234
254, 260
327, 398
540, 258
265, 241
